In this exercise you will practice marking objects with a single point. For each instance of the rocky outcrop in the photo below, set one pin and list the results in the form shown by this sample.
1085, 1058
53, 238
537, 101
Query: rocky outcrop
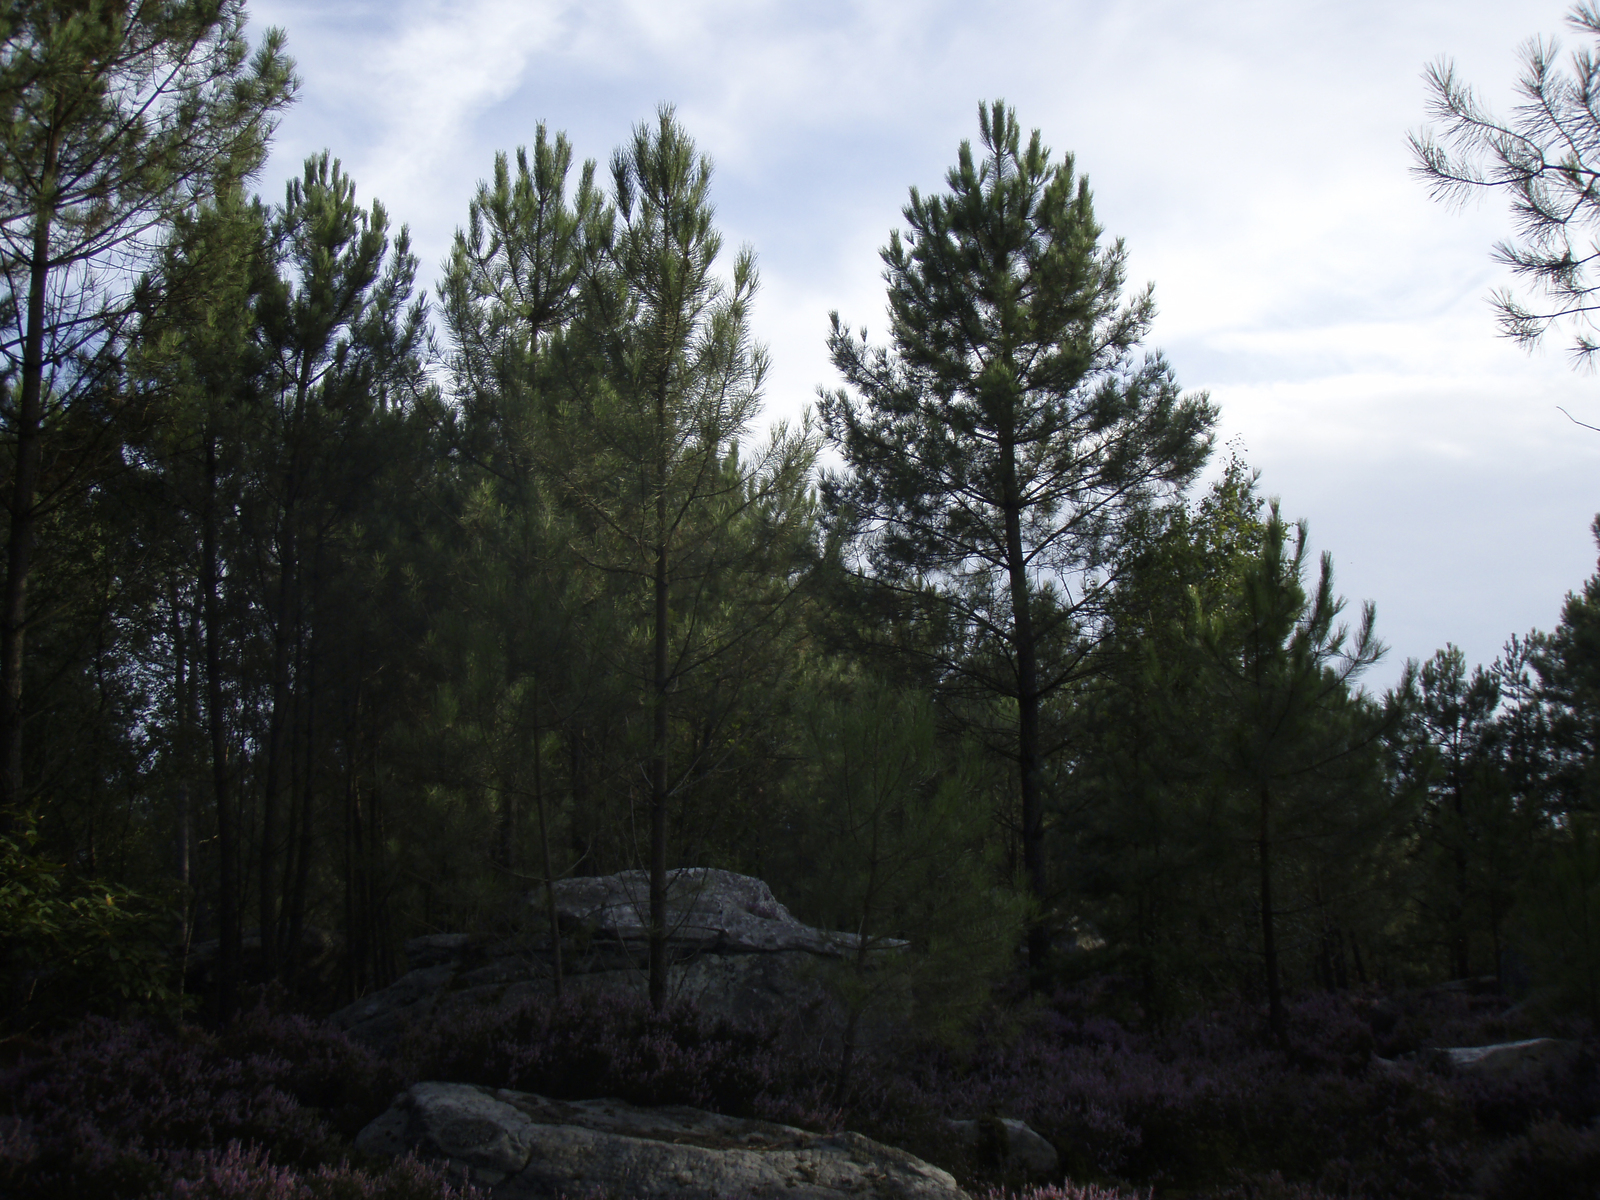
1007, 1143
521, 1146
737, 953
1502, 1062
1508, 1060
707, 909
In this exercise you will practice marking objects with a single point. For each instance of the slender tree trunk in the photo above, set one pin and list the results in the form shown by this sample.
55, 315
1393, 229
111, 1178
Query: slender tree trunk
544, 847
581, 830
283, 621
302, 864
228, 931
276, 739
24, 495
1461, 963
658, 745
847, 1056
1027, 653
658, 790
510, 815
1269, 943
183, 687
353, 942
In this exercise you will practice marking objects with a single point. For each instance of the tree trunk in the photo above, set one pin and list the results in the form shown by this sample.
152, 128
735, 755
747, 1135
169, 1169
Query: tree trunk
658, 789
276, 739
228, 931
847, 1056
302, 863
1027, 653
183, 688
544, 846
283, 619
1461, 963
24, 495
1269, 943
658, 739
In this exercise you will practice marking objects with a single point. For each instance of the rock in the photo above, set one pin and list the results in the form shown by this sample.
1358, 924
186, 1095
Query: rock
1507, 1060
521, 1146
706, 909
1009, 1143
737, 953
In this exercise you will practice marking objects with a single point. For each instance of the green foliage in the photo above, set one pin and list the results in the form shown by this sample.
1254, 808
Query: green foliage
1561, 914
1294, 748
1568, 665
116, 118
1543, 159
1474, 838
1138, 829
892, 834
72, 946
1000, 447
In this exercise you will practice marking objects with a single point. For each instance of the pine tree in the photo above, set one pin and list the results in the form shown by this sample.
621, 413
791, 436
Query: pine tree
342, 339
894, 851
1292, 744
692, 530
195, 349
115, 117
998, 448
512, 293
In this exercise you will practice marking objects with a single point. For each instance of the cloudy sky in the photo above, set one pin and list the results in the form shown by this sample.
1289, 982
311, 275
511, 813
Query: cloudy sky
1251, 152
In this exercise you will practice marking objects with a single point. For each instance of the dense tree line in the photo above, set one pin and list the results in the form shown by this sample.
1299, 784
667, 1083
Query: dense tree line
333, 612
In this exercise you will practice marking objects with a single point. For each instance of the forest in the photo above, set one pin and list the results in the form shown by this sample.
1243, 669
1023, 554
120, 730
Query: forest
342, 606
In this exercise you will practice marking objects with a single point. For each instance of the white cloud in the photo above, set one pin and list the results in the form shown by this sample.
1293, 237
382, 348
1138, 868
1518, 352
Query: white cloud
1253, 154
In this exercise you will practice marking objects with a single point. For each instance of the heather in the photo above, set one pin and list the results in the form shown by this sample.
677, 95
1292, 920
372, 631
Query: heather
1205, 1105
608, 1045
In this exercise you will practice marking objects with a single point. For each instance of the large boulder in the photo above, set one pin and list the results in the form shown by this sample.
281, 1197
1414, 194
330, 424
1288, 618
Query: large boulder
707, 909
736, 951
521, 1146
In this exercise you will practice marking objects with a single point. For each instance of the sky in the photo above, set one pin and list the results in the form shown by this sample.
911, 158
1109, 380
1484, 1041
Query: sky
1251, 153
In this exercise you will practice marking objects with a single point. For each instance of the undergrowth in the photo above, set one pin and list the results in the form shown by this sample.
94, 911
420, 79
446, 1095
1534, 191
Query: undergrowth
1207, 1106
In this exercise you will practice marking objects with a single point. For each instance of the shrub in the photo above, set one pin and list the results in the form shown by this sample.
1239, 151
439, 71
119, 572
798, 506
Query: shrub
1066, 1191
588, 1047
1552, 1161
237, 1173
71, 946
317, 1064
95, 1115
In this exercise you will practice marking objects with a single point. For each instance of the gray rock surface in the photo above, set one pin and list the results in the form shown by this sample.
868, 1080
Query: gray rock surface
521, 1146
737, 953
1509, 1060
1503, 1061
707, 908
1010, 1142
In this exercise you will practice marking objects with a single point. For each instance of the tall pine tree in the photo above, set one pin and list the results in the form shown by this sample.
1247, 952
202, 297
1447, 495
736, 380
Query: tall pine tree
998, 447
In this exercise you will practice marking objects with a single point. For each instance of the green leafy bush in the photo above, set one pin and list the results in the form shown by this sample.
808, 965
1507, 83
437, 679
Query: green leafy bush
72, 946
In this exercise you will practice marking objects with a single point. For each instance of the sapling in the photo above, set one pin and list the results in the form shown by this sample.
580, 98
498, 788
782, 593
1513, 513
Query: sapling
893, 834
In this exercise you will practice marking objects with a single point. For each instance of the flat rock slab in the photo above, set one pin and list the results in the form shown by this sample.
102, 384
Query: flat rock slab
1507, 1060
521, 1146
1504, 1061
